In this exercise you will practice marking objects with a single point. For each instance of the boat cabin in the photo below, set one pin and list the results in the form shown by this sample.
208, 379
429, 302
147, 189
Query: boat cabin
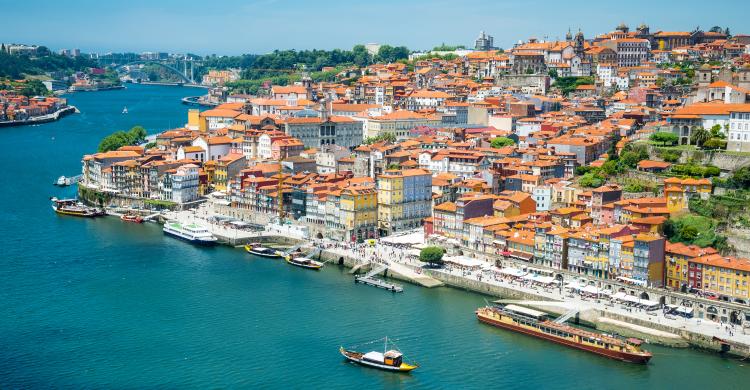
393, 358
390, 358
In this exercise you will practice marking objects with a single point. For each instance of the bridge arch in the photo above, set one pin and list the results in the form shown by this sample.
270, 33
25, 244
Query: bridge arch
163, 65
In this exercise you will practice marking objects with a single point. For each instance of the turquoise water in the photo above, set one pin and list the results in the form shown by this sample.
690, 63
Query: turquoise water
105, 304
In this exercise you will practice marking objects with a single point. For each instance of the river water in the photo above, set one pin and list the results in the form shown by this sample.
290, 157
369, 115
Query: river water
106, 304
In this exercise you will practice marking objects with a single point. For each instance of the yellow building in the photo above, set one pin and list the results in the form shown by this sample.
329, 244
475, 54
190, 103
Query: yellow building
404, 199
195, 122
679, 191
724, 276
677, 258
400, 123
358, 210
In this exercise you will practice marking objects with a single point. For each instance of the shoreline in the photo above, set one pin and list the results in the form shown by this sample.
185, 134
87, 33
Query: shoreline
55, 116
631, 322
601, 320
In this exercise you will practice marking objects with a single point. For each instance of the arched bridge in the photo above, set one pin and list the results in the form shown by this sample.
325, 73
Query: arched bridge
174, 70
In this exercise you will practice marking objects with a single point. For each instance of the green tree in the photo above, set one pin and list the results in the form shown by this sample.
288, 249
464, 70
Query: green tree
716, 132
591, 180
392, 166
699, 136
432, 255
33, 88
388, 137
118, 139
741, 178
715, 143
552, 73
500, 142
664, 138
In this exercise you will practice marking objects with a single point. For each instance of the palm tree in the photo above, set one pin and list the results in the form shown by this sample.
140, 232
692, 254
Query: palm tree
699, 136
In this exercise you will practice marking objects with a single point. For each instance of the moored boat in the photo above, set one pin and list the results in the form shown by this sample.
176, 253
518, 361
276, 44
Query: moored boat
131, 218
74, 208
259, 250
534, 323
388, 360
192, 233
61, 181
304, 262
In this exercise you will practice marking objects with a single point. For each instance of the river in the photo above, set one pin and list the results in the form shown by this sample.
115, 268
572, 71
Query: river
105, 304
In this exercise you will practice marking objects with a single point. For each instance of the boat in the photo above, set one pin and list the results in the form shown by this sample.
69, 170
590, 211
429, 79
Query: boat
258, 250
192, 233
62, 181
534, 323
304, 262
75, 208
125, 110
388, 360
131, 218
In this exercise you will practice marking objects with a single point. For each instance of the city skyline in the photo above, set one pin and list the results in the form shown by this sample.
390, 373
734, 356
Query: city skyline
139, 26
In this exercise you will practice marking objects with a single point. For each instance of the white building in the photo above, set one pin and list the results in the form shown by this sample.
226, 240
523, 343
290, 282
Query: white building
542, 195
185, 184
739, 130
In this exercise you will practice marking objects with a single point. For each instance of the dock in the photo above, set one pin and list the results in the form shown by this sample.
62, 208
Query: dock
379, 284
370, 280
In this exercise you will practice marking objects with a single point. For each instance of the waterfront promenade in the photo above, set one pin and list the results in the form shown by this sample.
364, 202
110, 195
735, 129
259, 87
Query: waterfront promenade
653, 325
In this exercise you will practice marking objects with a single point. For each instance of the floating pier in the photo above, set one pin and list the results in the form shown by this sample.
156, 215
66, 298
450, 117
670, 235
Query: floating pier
369, 280
378, 283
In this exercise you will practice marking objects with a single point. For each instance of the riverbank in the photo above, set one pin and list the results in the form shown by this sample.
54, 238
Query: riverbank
42, 118
655, 327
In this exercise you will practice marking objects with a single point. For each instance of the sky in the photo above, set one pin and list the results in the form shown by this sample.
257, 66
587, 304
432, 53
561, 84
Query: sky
229, 27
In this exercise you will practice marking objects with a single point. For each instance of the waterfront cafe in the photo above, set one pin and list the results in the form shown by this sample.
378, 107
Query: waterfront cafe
635, 301
466, 263
513, 273
683, 311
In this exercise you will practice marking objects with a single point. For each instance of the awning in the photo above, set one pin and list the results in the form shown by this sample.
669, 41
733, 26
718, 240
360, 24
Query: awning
464, 261
512, 272
521, 255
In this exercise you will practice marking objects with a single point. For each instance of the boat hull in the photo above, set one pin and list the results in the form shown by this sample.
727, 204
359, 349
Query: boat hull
261, 254
622, 356
190, 240
351, 356
314, 267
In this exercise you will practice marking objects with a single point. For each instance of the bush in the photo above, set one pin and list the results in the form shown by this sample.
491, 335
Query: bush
500, 142
591, 180
432, 255
670, 156
664, 138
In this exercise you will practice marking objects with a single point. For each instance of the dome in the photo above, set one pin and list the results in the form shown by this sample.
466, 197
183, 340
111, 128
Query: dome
622, 27
643, 26
705, 67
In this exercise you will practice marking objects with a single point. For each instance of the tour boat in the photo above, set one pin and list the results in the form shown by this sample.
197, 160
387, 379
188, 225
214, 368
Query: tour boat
389, 360
534, 323
304, 262
192, 233
74, 208
131, 218
258, 250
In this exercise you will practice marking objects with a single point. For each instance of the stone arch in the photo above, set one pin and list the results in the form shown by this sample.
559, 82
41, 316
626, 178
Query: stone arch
735, 317
644, 295
341, 261
621, 289
319, 236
